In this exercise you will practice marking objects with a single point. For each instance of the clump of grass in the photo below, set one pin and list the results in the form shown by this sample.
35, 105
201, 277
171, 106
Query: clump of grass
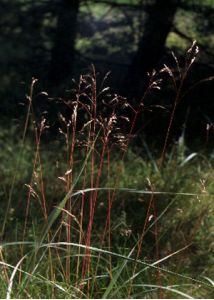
98, 220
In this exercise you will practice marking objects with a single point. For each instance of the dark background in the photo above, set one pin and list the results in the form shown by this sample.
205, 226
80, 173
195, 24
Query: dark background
55, 41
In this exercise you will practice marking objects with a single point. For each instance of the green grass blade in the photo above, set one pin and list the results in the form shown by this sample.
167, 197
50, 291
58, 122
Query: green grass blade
116, 276
168, 288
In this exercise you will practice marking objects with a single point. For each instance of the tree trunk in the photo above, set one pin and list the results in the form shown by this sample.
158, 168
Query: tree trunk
63, 51
160, 17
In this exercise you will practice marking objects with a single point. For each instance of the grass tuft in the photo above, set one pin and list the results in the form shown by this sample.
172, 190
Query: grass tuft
85, 216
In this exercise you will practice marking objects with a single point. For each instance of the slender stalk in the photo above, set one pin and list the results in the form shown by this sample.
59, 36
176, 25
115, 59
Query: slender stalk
30, 99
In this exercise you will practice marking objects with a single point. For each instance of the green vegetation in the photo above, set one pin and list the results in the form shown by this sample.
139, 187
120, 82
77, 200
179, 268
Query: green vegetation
106, 192
88, 214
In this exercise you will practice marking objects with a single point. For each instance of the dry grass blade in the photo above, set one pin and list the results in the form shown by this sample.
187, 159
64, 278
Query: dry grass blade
9, 289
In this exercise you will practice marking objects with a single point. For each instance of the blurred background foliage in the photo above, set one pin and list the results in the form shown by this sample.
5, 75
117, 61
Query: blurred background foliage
58, 40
